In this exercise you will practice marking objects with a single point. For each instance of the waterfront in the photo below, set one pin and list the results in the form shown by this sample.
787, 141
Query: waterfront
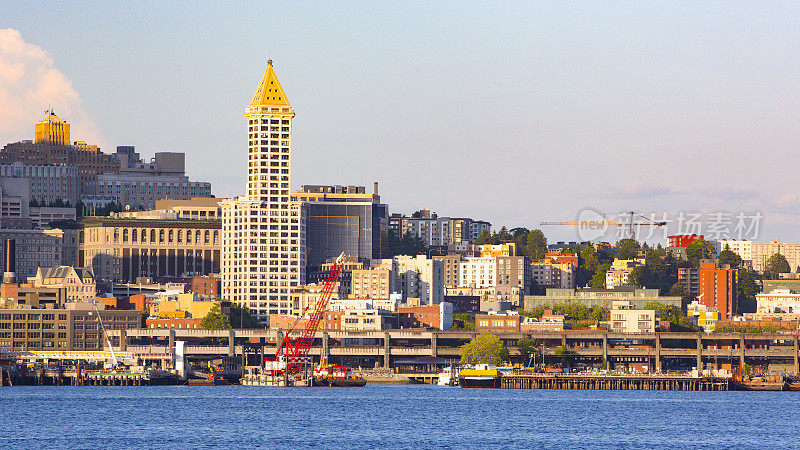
392, 416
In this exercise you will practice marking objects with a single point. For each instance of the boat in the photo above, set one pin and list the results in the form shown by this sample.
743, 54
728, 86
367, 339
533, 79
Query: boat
769, 382
448, 376
336, 376
481, 376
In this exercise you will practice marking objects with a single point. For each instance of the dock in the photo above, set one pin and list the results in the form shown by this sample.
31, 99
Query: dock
614, 382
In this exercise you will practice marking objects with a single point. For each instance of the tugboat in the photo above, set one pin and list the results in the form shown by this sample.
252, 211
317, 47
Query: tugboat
448, 376
481, 376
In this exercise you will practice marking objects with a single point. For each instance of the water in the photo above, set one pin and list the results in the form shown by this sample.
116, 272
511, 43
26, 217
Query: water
392, 416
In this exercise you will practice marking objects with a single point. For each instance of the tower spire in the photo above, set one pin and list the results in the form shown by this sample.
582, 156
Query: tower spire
269, 91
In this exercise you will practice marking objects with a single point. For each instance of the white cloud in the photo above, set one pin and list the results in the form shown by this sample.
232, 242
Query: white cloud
29, 84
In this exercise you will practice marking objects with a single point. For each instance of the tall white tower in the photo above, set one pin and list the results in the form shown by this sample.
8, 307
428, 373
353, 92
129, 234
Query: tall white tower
263, 240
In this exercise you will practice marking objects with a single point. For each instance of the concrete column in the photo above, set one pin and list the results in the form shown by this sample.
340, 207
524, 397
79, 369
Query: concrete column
742, 347
564, 340
434, 350
605, 349
325, 345
658, 352
796, 363
278, 340
699, 351
231, 342
123, 340
171, 349
386, 350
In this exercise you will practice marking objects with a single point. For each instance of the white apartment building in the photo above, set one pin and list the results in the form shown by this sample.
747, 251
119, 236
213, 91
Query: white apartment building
263, 254
478, 272
742, 248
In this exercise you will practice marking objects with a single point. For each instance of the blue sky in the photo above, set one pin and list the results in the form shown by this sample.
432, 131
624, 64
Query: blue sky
514, 112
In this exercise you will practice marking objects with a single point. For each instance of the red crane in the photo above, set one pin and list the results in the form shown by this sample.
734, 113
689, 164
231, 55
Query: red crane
296, 350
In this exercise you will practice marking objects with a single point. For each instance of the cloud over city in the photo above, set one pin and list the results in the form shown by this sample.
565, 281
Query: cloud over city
29, 84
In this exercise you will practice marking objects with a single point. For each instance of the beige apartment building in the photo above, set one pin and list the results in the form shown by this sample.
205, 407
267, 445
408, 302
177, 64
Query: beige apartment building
373, 283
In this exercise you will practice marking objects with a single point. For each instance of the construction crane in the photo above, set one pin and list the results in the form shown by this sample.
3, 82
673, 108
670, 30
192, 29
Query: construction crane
295, 351
631, 224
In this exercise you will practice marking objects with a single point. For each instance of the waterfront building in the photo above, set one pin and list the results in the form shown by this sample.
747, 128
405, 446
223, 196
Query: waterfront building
79, 283
264, 255
178, 305
714, 286
627, 319
342, 219
367, 320
304, 298
123, 249
600, 297
75, 328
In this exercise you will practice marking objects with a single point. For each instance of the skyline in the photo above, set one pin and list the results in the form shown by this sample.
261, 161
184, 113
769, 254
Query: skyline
692, 103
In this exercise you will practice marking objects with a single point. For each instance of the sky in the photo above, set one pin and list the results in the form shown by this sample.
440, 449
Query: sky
512, 112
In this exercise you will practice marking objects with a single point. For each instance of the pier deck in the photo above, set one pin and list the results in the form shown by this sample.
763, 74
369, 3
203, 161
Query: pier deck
614, 382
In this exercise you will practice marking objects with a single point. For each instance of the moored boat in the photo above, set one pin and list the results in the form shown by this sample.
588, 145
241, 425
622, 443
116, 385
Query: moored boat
481, 376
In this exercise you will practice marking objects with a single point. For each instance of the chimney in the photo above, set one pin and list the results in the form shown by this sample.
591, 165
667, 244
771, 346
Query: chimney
11, 261
375, 188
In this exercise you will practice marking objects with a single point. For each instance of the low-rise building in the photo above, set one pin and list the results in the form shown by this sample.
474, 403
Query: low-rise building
702, 315
620, 270
495, 321
79, 327
429, 316
778, 301
367, 320
548, 322
600, 297
626, 319
178, 323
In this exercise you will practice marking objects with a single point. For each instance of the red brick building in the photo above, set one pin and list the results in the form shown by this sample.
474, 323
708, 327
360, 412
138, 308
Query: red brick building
206, 285
187, 323
419, 316
682, 240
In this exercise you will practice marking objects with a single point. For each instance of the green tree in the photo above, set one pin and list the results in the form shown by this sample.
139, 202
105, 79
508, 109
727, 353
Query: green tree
241, 318
527, 346
565, 354
536, 245
627, 249
747, 288
503, 236
679, 290
485, 348
730, 258
467, 320
215, 320
642, 276
697, 251
776, 264
598, 281
484, 238
672, 314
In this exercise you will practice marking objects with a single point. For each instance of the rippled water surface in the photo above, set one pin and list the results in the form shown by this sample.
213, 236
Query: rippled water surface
392, 416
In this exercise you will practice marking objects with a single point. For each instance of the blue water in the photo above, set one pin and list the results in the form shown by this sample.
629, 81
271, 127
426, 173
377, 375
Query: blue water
392, 416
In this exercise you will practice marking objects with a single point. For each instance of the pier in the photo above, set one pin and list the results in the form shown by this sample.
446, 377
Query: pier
614, 382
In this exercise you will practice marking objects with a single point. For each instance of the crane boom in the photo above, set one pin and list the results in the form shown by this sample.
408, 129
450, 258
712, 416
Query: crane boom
297, 350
